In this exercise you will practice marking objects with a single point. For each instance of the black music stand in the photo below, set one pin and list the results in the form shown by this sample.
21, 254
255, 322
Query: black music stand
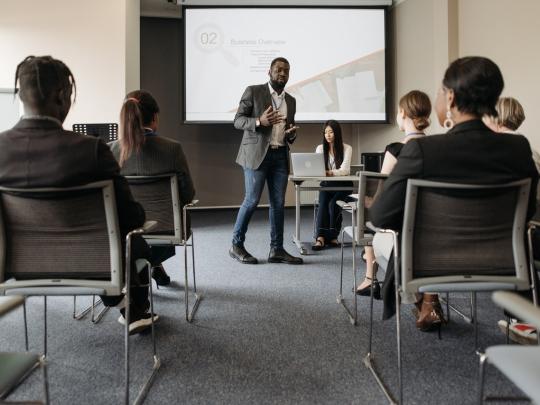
107, 132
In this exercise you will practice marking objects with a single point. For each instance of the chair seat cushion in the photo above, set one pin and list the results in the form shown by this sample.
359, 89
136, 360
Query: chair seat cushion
13, 367
521, 365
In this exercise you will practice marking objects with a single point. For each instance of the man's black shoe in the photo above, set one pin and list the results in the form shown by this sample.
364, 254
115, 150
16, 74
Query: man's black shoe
279, 255
158, 274
242, 255
138, 321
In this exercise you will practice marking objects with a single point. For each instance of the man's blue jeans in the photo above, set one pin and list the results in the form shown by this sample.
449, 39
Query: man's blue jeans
273, 170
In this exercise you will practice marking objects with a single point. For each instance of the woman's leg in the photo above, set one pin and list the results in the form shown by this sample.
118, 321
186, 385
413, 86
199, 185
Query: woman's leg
335, 214
371, 268
323, 215
430, 314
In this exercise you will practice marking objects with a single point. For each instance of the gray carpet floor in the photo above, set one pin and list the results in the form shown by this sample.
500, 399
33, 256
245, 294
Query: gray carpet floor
264, 334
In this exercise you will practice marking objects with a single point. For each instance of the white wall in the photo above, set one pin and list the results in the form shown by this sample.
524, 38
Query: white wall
507, 31
422, 42
98, 40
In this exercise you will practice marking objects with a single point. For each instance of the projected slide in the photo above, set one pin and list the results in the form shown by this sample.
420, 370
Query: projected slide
337, 59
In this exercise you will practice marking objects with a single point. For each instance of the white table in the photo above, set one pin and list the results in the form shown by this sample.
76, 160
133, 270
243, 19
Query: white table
297, 181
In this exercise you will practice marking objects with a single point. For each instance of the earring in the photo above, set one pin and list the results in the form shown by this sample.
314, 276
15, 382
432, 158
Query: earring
448, 122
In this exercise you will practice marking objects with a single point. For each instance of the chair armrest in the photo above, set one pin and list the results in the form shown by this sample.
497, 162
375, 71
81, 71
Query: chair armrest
518, 306
533, 224
346, 206
372, 227
9, 303
192, 203
147, 226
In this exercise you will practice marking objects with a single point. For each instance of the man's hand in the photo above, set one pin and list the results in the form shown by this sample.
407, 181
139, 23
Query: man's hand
329, 173
291, 129
271, 117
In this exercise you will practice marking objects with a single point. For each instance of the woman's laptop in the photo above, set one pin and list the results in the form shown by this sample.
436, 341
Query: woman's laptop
308, 164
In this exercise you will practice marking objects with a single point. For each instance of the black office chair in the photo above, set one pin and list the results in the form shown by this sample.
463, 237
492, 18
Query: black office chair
372, 161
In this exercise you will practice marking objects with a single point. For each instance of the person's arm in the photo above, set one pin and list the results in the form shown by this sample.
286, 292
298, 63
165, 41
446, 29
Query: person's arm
388, 164
243, 119
533, 174
130, 213
387, 210
345, 167
185, 183
290, 132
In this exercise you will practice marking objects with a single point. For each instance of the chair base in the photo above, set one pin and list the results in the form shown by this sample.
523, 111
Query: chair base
150, 380
190, 314
351, 313
370, 365
450, 307
95, 318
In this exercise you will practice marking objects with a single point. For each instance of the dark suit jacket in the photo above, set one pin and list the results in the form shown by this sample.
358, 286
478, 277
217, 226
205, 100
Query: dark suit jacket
159, 155
469, 153
255, 100
39, 153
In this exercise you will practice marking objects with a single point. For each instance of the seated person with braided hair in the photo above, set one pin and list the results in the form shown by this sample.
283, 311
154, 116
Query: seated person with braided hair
61, 158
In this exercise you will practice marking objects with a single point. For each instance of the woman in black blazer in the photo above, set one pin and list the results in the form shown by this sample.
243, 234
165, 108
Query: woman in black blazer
468, 153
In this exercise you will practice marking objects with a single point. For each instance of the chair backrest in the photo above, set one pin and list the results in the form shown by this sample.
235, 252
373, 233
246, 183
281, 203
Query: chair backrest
356, 168
61, 236
372, 161
369, 187
463, 232
160, 198
107, 132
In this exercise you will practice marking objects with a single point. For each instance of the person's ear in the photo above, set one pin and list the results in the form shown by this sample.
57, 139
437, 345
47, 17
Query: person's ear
155, 121
450, 99
64, 98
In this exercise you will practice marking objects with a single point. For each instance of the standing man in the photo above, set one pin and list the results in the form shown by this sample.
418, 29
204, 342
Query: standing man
266, 114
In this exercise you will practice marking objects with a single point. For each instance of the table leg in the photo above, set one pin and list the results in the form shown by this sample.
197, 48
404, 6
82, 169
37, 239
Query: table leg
296, 237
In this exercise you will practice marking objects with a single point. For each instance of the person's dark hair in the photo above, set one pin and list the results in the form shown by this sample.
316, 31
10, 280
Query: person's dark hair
417, 107
138, 111
279, 59
338, 144
42, 77
477, 83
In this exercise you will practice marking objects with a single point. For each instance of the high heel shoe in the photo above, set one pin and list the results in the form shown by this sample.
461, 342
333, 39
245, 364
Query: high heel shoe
430, 316
366, 291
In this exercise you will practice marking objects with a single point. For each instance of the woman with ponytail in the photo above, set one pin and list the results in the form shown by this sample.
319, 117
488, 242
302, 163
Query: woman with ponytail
414, 109
140, 152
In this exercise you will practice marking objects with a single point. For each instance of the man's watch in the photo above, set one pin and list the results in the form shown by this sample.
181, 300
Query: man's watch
257, 122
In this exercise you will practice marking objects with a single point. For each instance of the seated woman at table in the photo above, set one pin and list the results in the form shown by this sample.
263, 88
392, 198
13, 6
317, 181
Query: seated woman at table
337, 161
414, 109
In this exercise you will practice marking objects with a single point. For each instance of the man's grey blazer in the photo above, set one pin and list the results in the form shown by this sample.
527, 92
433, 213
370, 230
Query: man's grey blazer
256, 140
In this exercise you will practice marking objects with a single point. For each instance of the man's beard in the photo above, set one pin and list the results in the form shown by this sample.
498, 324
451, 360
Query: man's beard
276, 85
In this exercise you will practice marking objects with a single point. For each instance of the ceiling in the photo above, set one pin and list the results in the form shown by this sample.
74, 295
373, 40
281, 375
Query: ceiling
169, 8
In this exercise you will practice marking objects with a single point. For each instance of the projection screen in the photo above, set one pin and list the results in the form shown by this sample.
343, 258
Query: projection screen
337, 58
